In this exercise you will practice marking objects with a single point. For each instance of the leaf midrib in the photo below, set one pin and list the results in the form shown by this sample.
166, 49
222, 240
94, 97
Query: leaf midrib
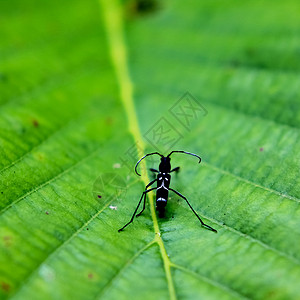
112, 14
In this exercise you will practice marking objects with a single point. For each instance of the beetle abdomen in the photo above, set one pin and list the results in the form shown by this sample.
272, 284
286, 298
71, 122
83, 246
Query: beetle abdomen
160, 206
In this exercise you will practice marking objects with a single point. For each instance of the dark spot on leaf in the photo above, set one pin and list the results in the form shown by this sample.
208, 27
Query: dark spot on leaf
47, 213
108, 120
87, 229
1, 192
3, 77
40, 156
35, 123
142, 7
5, 286
261, 149
99, 196
90, 275
146, 6
7, 240
250, 52
234, 63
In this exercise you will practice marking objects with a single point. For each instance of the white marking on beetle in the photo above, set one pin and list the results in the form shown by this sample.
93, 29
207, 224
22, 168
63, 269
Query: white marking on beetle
162, 186
161, 199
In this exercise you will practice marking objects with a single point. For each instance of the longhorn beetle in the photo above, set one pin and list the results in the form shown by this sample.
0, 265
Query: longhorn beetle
162, 189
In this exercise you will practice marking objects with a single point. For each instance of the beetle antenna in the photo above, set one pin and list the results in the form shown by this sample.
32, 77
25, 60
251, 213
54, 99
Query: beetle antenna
180, 151
143, 158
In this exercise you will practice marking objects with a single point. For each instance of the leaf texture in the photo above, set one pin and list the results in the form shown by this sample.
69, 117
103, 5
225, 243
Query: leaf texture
83, 86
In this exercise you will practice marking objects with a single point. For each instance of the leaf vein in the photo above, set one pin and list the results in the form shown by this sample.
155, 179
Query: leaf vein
49, 180
251, 238
251, 182
131, 260
210, 281
56, 249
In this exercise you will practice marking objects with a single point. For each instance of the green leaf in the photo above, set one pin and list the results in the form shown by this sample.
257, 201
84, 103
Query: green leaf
86, 89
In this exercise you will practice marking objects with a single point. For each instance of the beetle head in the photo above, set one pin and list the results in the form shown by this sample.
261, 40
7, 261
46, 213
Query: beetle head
165, 165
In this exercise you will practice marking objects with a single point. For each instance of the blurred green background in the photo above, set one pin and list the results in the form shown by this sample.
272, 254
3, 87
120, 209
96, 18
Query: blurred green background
217, 78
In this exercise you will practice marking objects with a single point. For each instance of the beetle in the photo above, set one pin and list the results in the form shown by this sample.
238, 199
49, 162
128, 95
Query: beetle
163, 180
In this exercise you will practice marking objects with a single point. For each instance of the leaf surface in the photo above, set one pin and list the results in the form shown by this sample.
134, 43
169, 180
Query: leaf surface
86, 89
